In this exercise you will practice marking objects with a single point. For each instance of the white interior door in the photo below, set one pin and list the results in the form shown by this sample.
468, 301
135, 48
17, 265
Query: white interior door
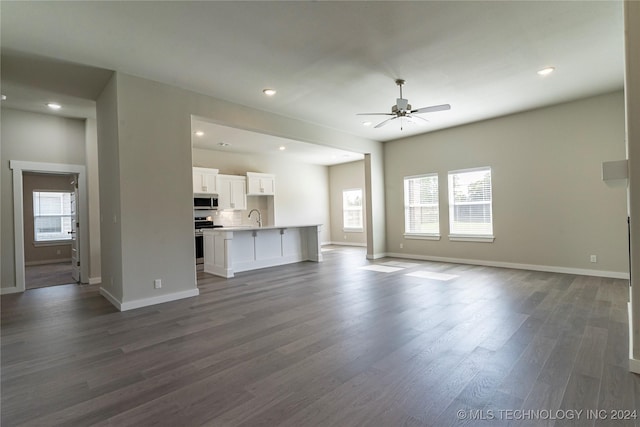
75, 229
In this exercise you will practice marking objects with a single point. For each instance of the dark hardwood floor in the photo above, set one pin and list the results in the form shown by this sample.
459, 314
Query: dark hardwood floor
40, 276
327, 344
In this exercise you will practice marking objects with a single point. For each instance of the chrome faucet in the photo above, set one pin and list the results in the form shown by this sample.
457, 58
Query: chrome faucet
259, 216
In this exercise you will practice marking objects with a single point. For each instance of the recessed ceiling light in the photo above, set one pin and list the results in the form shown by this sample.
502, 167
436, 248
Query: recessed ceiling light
54, 106
199, 133
546, 71
223, 144
366, 123
269, 92
282, 148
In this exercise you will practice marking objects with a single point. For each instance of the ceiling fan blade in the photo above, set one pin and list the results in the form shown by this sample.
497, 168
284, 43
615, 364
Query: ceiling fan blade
375, 114
432, 109
419, 121
379, 125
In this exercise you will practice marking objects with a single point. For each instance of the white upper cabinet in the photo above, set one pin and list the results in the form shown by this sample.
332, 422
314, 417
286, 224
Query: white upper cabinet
204, 180
232, 192
261, 184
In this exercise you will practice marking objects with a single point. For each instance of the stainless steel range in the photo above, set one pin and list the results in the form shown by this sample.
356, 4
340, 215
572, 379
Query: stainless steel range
201, 223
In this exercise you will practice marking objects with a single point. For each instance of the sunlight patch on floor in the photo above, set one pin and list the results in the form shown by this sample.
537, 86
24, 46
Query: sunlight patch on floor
423, 274
380, 268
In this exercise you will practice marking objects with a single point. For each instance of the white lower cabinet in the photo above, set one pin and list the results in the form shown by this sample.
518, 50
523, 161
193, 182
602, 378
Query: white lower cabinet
232, 192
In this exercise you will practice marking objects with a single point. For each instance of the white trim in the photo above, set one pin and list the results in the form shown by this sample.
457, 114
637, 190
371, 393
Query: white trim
10, 290
517, 266
48, 261
476, 169
634, 364
113, 300
18, 167
95, 280
377, 256
43, 243
471, 238
145, 302
353, 230
418, 236
362, 245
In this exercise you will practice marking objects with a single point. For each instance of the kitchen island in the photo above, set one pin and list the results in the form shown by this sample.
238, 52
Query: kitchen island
231, 250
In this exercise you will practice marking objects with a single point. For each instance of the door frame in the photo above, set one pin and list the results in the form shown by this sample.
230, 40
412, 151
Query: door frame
18, 168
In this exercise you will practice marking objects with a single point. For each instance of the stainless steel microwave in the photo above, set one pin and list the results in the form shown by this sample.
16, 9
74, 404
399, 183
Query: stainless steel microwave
205, 202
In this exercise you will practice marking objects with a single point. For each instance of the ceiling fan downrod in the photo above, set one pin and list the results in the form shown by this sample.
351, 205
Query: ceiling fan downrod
400, 82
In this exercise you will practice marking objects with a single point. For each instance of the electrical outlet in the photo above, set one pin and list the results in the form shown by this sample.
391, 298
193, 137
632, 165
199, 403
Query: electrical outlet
593, 258
401, 245
58, 252
157, 284
345, 237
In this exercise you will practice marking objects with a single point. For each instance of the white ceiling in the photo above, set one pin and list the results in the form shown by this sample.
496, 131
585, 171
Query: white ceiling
331, 60
244, 141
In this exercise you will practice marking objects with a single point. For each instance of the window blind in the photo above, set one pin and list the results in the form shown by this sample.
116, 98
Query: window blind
470, 209
421, 211
52, 217
352, 209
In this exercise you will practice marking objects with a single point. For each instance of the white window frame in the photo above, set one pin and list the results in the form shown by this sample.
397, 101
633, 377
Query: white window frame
61, 238
468, 237
346, 209
408, 234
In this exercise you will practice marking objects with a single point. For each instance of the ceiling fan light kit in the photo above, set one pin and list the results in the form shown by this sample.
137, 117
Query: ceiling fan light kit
402, 110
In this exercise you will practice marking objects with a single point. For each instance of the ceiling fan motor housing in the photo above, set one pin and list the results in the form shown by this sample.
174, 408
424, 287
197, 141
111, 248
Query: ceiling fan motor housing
402, 105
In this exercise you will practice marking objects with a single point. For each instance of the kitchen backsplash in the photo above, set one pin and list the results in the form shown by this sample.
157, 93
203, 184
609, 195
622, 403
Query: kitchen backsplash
240, 218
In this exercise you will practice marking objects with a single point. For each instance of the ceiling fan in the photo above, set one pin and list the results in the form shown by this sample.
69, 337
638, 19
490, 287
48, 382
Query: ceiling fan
402, 110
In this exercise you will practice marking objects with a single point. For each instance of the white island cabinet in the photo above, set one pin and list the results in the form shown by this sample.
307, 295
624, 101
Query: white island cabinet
231, 250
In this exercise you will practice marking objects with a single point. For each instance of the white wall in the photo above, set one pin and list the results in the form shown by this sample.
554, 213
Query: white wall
32, 137
632, 103
550, 206
109, 182
342, 177
302, 190
93, 193
149, 144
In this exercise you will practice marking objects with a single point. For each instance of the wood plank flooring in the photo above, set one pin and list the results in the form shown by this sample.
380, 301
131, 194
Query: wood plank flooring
326, 344
40, 276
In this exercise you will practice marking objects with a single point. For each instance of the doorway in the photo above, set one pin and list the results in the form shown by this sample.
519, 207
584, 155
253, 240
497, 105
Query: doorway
79, 239
49, 220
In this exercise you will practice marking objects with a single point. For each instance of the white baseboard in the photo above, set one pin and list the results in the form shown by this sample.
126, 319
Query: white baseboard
48, 261
144, 302
113, 300
361, 245
9, 290
378, 255
95, 280
634, 364
517, 266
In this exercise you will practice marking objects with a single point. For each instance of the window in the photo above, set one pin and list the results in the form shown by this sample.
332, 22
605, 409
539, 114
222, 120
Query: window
421, 211
352, 210
470, 211
52, 216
